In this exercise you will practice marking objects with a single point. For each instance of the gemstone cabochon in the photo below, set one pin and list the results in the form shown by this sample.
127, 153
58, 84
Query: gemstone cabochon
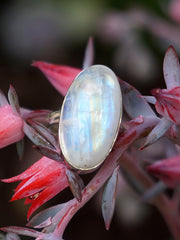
90, 117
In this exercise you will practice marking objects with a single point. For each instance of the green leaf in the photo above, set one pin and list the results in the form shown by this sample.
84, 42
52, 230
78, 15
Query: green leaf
109, 197
13, 99
45, 132
158, 131
50, 153
44, 215
20, 148
35, 137
134, 103
75, 183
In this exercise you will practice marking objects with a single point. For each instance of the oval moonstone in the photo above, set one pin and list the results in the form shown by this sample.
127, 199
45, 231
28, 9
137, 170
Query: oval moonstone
90, 117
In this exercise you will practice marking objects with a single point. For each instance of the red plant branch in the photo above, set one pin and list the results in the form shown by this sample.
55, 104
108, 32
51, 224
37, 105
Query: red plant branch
163, 204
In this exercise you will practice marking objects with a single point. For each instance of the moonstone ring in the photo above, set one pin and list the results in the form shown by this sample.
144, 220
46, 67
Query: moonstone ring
90, 118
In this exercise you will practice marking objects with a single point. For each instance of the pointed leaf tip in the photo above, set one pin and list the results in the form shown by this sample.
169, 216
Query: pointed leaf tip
133, 103
75, 183
3, 99
109, 197
171, 68
158, 131
89, 54
45, 132
13, 99
50, 153
20, 148
35, 137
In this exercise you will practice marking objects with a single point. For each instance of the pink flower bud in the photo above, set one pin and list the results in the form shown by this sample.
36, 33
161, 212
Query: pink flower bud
11, 126
168, 170
60, 77
174, 10
168, 103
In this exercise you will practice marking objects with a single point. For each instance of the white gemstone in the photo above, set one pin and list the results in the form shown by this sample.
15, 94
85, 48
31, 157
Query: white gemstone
90, 117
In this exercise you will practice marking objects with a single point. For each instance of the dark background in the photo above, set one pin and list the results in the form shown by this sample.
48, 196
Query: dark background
130, 37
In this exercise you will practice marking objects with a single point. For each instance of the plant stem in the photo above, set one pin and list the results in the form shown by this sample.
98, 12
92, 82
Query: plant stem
163, 204
122, 143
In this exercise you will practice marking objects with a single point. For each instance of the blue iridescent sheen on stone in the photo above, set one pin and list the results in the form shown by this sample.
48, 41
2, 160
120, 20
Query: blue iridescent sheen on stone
90, 117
